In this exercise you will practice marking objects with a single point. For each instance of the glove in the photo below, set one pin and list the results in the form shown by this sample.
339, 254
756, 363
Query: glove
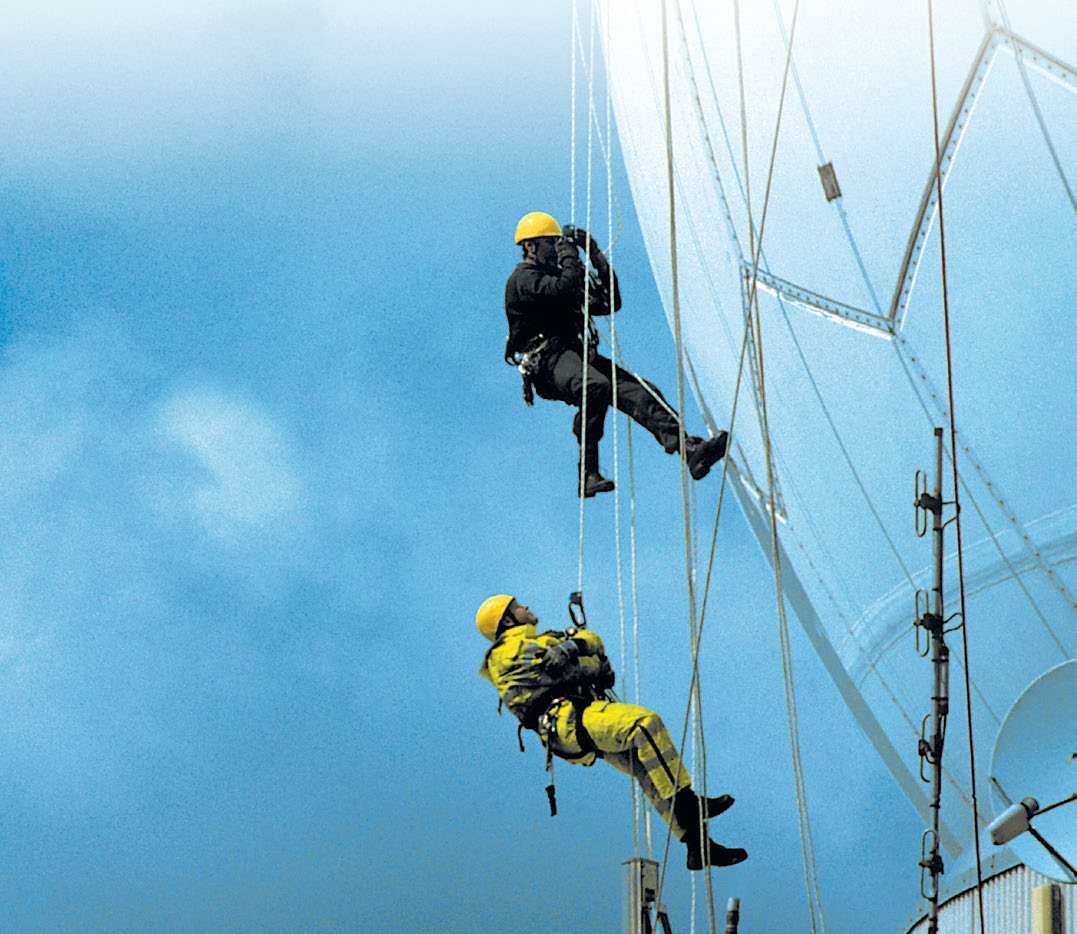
579, 236
607, 677
566, 249
559, 659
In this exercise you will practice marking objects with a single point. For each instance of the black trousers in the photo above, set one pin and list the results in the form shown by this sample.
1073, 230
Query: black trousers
560, 376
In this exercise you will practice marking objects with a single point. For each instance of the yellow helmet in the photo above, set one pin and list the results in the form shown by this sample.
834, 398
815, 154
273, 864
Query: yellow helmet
491, 613
537, 224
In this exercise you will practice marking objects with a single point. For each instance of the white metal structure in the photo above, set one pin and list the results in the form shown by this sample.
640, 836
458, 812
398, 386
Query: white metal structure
850, 303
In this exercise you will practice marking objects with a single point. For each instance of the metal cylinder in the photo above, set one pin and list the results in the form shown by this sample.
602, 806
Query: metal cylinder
732, 916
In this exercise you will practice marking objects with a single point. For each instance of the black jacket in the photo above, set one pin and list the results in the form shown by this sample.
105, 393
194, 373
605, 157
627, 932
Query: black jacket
548, 300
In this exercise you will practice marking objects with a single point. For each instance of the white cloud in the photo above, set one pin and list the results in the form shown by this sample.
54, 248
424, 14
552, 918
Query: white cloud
238, 475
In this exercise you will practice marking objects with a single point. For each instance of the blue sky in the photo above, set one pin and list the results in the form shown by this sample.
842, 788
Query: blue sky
262, 461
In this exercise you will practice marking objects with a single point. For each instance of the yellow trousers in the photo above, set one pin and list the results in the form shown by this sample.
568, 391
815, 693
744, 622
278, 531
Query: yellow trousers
632, 739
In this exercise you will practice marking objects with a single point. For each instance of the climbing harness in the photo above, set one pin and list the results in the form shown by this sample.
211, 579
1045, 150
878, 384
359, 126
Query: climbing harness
529, 359
541, 715
527, 362
547, 730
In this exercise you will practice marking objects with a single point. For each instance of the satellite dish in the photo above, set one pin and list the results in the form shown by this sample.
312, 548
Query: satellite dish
1034, 775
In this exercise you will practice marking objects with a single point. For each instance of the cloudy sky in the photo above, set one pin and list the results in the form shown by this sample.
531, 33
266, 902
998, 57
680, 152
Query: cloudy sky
261, 461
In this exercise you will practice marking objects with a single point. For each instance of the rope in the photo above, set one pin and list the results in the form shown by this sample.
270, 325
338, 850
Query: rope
765, 266
585, 361
811, 880
854, 638
695, 689
763, 263
615, 234
695, 631
572, 116
953, 462
681, 437
637, 810
837, 202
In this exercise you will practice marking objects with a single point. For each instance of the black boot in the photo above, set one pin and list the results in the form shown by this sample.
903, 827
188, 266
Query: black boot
702, 455
594, 482
719, 856
712, 807
686, 808
715, 806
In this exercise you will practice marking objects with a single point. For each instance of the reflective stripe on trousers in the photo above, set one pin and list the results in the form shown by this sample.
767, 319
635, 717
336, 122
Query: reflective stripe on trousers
633, 740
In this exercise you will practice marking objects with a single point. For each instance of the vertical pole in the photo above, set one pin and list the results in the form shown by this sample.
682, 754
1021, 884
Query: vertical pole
732, 916
933, 621
641, 889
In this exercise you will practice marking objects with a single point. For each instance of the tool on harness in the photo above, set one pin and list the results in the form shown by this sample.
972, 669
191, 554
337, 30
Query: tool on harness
527, 362
551, 789
546, 727
575, 599
548, 730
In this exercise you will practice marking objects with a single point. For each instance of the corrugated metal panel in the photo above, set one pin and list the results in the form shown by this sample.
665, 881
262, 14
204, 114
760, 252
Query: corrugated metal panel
1007, 906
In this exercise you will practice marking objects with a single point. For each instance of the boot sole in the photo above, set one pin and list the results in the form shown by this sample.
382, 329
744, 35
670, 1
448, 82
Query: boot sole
589, 494
714, 454
721, 804
728, 857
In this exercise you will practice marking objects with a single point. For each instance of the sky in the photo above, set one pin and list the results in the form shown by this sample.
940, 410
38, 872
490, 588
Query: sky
262, 461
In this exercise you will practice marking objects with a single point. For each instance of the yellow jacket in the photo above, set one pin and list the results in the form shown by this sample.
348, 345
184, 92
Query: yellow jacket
528, 676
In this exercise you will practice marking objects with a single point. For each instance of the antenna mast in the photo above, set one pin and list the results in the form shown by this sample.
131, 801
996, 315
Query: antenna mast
932, 621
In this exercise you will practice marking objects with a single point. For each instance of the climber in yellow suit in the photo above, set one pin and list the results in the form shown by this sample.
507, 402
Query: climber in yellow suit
556, 683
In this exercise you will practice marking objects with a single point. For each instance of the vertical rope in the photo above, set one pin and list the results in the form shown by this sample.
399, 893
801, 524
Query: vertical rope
807, 848
744, 128
572, 115
586, 342
681, 436
953, 463
617, 535
640, 814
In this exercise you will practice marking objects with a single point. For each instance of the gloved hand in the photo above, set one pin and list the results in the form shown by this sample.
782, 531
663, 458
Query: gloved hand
566, 249
607, 677
561, 658
579, 236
